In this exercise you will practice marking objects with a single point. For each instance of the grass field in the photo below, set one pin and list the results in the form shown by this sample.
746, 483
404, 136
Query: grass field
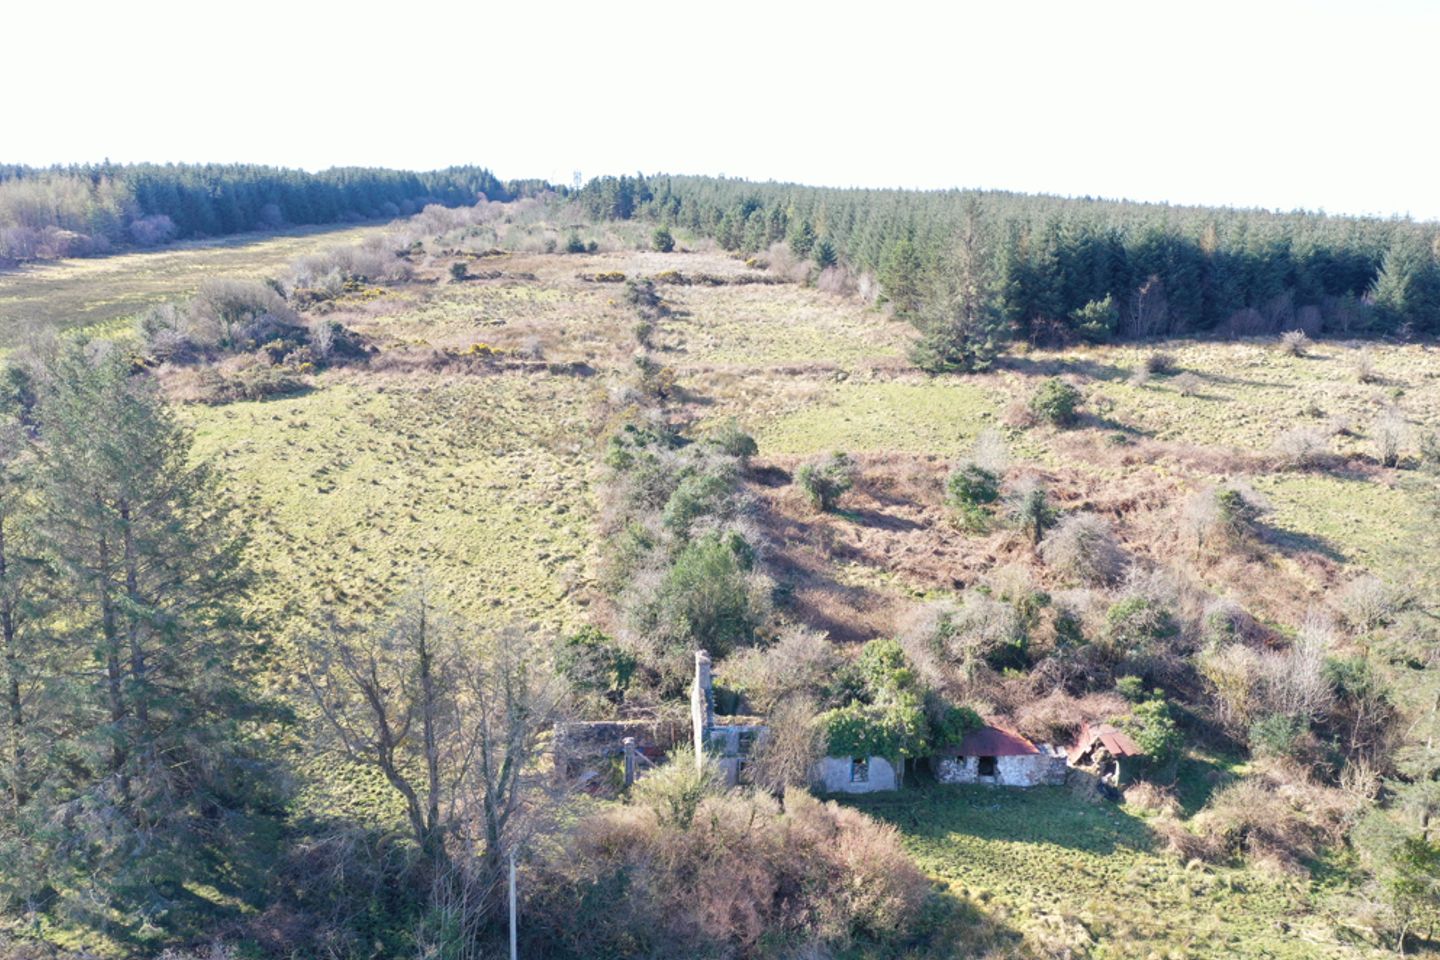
358, 490
480, 482
98, 291
1083, 880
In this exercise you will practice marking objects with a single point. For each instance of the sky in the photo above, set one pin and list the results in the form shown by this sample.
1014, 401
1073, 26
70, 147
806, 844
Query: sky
1281, 105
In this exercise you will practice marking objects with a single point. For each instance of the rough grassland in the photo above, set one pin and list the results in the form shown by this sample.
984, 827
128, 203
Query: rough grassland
478, 479
95, 291
1081, 880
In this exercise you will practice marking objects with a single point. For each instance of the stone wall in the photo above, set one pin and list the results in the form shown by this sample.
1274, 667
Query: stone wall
832, 775
1029, 770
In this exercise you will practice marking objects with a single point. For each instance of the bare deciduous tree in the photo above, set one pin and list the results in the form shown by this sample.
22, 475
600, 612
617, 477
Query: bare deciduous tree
793, 743
455, 724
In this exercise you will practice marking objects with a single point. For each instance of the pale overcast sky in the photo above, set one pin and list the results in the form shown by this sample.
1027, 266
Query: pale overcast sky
1321, 105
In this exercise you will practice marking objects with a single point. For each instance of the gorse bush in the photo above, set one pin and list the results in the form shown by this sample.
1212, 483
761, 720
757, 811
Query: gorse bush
1028, 507
705, 600
970, 491
1155, 732
730, 439
825, 481
1055, 402
1224, 516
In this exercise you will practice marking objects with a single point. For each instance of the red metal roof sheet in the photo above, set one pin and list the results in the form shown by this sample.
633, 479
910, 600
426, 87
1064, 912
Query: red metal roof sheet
994, 742
1112, 738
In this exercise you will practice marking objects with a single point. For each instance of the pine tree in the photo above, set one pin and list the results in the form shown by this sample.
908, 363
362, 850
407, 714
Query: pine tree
900, 278
20, 606
802, 238
1407, 289
963, 326
153, 579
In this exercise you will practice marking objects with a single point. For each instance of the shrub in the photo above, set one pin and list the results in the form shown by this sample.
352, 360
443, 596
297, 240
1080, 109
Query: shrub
1430, 450
947, 643
1055, 403
1136, 623
654, 379
642, 295
1363, 364
743, 878
662, 240
704, 600
1084, 547
883, 669
1368, 603
800, 662
1389, 434
1276, 735
825, 481
1188, 384
730, 439
707, 494
1028, 507
953, 723
459, 271
1131, 688
1294, 343
969, 491
792, 745
1155, 733
249, 378
1160, 364
573, 243
1302, 448
990, 452
593, 662
1229, 514
895, 730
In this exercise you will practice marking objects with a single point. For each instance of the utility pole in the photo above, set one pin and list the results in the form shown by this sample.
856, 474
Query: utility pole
514, 951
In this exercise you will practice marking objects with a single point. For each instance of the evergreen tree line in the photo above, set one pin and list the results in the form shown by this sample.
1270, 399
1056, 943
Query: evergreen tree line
60, 211
1055, 270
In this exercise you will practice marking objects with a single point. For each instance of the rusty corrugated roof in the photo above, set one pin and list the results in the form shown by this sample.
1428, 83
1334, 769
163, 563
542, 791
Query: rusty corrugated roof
1111, 737
993, 742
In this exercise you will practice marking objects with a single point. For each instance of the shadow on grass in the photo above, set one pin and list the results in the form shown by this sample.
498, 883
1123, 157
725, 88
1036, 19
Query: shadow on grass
1198, 778
1048, 815
878, 520
1293, 541
1055, 366
1094, 421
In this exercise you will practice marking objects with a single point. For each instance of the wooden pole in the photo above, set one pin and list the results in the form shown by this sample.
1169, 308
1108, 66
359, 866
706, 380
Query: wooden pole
514, 950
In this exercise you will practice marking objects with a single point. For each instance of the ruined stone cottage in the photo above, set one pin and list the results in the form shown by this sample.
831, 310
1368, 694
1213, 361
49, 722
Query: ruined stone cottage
728, 741
999, 757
